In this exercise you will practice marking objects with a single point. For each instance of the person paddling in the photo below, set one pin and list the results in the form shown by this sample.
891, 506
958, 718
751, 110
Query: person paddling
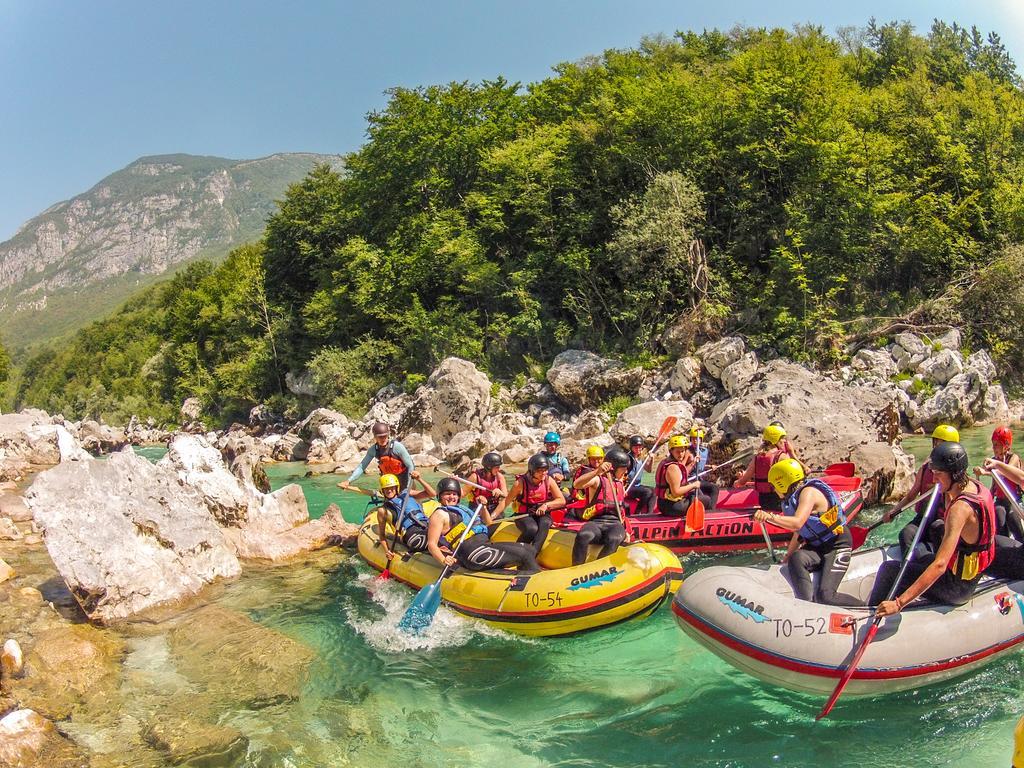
491, 481
771, 452
643, 494
595, 455
709, 490
1007, 523
412, 524
478, 552
923, 480
605, 490
392, 458
558, 465
675, 495
535, 494
967, 548
1009, 558
814, 513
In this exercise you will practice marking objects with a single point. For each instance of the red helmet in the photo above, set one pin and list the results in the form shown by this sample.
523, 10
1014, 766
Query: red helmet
1002, 435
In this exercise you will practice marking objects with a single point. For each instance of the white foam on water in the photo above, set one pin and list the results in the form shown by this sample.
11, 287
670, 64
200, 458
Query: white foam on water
448, 629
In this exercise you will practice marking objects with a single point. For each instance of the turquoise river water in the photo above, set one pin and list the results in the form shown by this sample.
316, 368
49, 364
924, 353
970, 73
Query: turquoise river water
639, 694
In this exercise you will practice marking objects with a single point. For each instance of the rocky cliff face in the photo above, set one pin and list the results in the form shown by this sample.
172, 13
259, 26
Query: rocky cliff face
81, 258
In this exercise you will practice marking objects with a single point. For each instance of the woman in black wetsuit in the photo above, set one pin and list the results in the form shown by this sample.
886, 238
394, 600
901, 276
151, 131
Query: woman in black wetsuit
477, 552
605, 494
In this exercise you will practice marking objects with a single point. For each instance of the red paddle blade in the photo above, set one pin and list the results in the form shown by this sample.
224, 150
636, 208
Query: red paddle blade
841, 469
848, 673
385, 574
695, 516
859, 534
666, 426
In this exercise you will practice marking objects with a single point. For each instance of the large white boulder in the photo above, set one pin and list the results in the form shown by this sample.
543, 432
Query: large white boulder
942, 367
646, 419
456, 397
719, 355
685, 376
583, 380
126, 535
737, 375
877, 361
826, 420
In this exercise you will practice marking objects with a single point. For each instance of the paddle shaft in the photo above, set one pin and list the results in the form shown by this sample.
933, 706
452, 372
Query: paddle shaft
848, 673
733, 460
666, 427
897, 511
768, 542
462, 538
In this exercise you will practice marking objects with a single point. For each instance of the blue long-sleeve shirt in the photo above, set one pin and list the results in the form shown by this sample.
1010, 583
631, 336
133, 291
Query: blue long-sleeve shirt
397, 449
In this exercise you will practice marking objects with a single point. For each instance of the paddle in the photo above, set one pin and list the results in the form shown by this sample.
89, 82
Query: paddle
386, 573
666, 426
420, 613
848, 673
733, 460
768, 542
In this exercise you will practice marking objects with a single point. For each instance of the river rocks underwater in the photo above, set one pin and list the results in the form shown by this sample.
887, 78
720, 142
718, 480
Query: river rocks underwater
303, 665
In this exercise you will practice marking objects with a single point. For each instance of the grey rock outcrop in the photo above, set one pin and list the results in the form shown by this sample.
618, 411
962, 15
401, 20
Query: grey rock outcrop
826, 420
737, 375
718, 355
877, 361
125, 535
583, 380
685, 378
100, 438
942, 367
329, 437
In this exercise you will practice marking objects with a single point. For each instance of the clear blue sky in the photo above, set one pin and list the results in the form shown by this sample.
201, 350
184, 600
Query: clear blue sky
87, 87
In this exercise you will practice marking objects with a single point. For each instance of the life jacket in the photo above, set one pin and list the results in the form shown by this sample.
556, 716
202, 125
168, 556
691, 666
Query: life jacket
661, 487
601, 500
557, 462
414, 514
580, 493
387, 462
821, 527
459, 518
531, 496
1015, 489
969, 560
702, 461
488, 486
762, 463
927, 482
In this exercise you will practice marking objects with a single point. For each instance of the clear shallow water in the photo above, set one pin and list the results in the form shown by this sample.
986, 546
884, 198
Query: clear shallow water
641, 694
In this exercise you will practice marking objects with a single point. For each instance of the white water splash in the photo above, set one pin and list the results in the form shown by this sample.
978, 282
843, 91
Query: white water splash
447, 630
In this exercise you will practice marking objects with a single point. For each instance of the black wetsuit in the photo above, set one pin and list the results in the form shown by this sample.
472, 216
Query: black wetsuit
833, 559
604, 527
479, 553
533, 528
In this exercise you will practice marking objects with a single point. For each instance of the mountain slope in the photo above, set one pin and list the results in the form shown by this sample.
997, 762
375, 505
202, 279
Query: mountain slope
81, 258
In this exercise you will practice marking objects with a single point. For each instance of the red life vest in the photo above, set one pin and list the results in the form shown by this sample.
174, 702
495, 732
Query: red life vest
386, 461
601, 500
531, 496
580, 472
927, 482
1015, 489
969, 560
661, 487
762, 463
488, 487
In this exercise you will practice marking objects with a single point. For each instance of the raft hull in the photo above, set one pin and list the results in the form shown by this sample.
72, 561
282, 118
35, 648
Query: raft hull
561, 600
729, 527
750, 618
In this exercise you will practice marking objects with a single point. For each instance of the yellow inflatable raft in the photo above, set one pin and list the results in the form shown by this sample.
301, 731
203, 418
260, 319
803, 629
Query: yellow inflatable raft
563, 599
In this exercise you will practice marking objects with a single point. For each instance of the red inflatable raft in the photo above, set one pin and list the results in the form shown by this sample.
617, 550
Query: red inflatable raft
729, 527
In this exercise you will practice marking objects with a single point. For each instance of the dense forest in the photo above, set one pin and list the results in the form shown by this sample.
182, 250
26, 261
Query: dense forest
812, 192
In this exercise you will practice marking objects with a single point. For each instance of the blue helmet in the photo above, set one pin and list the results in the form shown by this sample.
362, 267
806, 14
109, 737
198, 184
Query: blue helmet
552, 437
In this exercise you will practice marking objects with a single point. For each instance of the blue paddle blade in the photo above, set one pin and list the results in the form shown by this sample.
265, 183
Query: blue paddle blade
420, 614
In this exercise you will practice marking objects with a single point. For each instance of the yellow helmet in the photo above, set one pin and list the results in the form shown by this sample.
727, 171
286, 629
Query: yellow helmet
784, 473
678, 441
697, 432
389, 481
947, 433
773, 433
595, 452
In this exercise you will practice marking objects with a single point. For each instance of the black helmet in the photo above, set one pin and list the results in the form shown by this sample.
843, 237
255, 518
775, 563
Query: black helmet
491, 460
537, 461
949, 457
448, 485
636, 440
617, 457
